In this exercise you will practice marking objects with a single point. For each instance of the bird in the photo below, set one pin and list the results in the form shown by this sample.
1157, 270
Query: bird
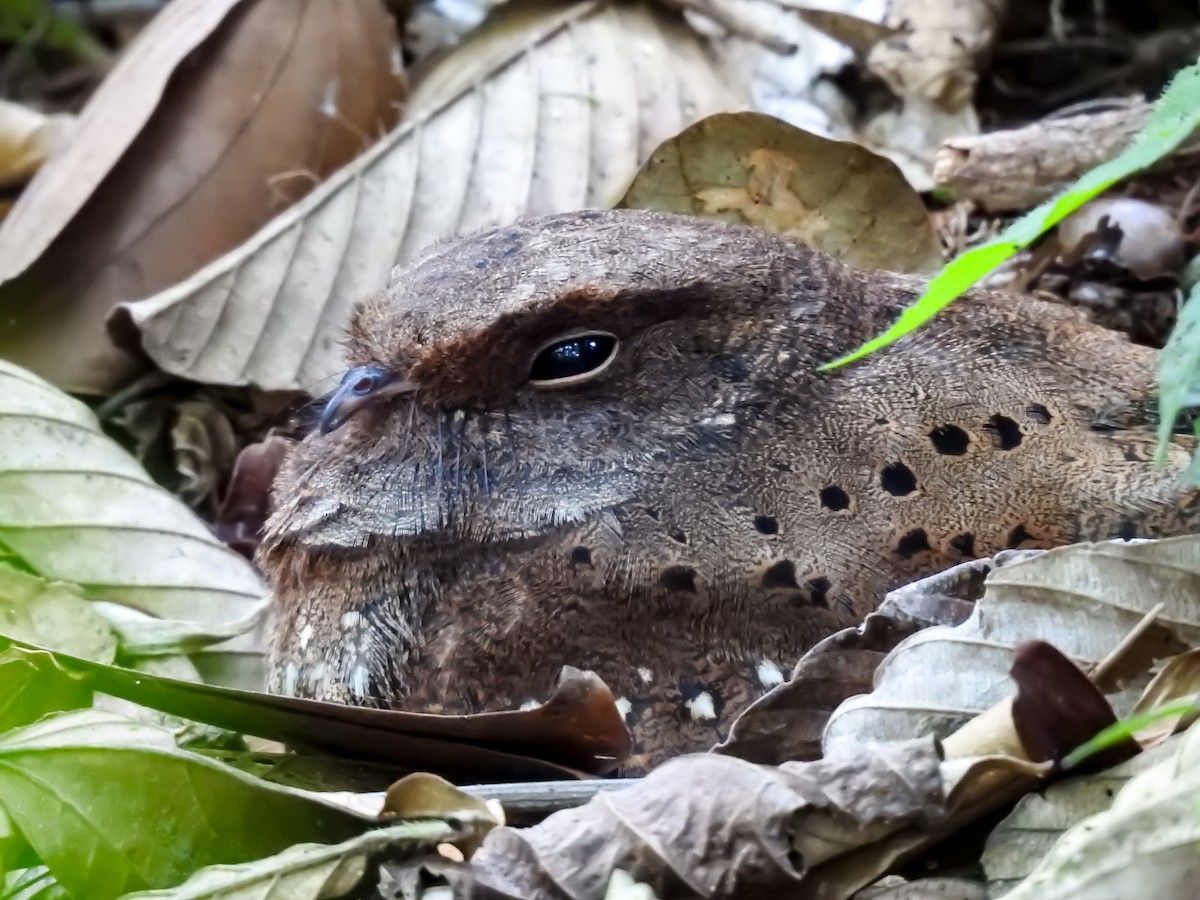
603, 439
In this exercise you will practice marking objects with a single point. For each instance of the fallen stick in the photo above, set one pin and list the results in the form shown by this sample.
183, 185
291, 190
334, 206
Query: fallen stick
1015, 169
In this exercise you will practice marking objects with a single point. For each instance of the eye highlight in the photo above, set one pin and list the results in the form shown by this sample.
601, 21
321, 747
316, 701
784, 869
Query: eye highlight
573, 359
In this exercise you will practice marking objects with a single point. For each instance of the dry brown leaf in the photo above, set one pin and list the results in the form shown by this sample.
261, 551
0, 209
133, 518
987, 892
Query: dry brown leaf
834, 196
786, 723
550, 113
707, 825
711, 826
577, 730
1084, 599
223, 113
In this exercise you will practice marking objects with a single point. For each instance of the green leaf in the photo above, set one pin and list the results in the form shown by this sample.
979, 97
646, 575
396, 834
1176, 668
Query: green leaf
1179, 373
75, 507
35, 883
1127, 728
1175, 116
113, 806
32, 683
37, 22
53, 615
307, 871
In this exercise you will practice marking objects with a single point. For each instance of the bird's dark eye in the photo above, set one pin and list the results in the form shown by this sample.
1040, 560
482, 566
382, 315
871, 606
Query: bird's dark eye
574, 359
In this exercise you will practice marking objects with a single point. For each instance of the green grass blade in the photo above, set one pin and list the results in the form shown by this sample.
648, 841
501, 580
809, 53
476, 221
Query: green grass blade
1174, 117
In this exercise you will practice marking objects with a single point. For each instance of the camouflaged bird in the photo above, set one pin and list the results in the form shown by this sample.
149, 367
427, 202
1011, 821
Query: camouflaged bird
600, 439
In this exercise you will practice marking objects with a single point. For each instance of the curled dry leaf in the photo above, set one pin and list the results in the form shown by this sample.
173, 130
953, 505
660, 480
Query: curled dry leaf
578, 730
222, 114
547, 109
1145, 845
788, 721
245, 506
1015, 169
834, 196
1084, 599
75, 507
713, 826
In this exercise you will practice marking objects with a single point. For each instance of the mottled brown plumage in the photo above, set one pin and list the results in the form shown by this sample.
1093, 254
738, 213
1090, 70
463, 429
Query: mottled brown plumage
690, 521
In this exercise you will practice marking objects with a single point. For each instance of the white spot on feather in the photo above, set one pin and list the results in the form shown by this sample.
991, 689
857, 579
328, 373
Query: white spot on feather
769, 674
624, 707
645, 674
358, 681
701, 707
306, 635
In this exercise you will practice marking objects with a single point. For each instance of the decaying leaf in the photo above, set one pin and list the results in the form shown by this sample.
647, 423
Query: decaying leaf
712, 826
1147, 844
1083, 599
75, 507
222, 113
244, 508
545, 110
1179, 679
834, 196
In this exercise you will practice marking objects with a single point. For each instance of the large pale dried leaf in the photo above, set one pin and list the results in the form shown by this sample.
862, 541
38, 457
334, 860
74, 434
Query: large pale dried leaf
1083, 599
75, 507
222, 114
549, 114
1147, 844
834, 196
